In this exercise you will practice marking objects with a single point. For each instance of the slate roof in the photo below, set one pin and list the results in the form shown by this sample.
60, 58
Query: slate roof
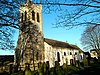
56, 43
75, 47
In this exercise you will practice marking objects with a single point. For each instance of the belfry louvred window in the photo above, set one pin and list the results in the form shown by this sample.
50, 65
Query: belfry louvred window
22, 17
38, 17
25, 15
33, 15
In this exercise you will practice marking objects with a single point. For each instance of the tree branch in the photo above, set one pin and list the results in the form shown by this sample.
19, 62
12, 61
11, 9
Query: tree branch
62, 4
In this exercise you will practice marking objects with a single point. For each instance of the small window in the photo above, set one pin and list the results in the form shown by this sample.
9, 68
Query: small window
75, 53
25, 15
22, 17
33, 15
70, 53
64, 53
38, 18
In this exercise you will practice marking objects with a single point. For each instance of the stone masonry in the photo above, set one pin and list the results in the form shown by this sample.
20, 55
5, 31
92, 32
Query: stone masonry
30, 47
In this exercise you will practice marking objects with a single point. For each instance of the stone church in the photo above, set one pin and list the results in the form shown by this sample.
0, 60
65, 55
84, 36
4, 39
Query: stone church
33, 48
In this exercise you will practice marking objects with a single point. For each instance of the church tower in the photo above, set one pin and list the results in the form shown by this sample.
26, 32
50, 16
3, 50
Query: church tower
30, 45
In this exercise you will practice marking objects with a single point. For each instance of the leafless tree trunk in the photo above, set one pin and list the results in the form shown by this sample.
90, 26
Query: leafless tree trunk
91, 38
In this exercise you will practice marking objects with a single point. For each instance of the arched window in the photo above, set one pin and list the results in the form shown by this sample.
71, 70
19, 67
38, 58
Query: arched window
22, 17
70, 53
58, 56
38, 17
33, 15
75, 53
64, 53
25, 15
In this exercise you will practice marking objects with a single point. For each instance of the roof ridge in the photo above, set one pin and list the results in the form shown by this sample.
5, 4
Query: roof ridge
56, 40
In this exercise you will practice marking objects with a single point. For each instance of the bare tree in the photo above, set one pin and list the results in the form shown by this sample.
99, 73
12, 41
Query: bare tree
8, 19
91, 38
72, 13
77, 13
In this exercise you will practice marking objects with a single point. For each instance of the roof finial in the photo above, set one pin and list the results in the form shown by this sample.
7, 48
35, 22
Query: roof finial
28, 1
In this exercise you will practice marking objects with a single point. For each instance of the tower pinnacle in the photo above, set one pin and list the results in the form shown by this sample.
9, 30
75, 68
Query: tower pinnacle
28, 1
